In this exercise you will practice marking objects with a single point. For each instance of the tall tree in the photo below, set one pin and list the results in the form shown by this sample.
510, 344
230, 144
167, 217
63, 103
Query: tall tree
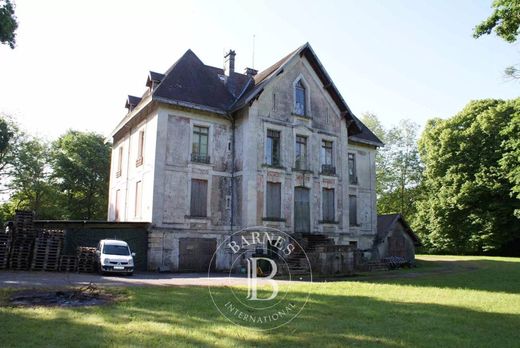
505, 22
10, 137
30, 184
81, 163
8, 23
399, 169
468, 206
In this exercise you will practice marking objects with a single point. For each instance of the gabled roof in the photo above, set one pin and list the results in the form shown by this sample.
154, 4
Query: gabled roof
191, 83
386, 223
355, 126
132, 101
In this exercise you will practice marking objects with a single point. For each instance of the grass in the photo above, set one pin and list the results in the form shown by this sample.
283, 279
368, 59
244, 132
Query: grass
446, 302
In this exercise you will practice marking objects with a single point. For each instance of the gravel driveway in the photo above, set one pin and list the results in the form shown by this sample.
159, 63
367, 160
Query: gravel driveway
55, 279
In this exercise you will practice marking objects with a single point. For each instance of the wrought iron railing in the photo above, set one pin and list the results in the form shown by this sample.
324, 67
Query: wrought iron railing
195, 157
328, 169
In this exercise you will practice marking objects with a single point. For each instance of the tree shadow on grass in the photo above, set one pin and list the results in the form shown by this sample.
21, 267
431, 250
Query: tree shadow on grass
180, 316
476, 274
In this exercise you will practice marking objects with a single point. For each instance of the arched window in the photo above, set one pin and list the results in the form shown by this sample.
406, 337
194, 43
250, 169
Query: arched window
299, 95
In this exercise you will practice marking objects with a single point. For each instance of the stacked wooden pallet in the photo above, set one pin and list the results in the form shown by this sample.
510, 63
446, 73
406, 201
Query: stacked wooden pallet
47, 249
23, 236
5, 246
86, 259
20, 255
68, 263
23, 225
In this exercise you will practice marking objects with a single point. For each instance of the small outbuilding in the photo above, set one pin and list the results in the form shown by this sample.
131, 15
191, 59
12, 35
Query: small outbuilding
395, 238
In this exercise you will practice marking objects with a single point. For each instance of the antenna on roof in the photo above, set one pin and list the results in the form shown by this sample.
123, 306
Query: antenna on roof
253, 63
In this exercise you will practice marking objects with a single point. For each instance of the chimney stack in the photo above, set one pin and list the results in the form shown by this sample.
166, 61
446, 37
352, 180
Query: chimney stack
230, 62
251, 72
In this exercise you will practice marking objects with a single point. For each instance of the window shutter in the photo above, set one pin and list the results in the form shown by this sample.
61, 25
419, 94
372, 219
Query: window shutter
353, 210
273, 200
199, 195
328, 205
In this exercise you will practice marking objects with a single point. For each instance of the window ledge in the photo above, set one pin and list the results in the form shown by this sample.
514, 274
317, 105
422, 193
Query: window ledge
328, 222
305, 171
265, 165
308, 117
354, 225
274, 219
192, 217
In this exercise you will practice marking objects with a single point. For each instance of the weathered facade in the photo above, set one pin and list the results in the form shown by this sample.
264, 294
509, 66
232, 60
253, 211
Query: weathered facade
206, 152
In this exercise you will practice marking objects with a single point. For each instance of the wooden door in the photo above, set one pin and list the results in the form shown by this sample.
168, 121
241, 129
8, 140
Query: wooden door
195, 254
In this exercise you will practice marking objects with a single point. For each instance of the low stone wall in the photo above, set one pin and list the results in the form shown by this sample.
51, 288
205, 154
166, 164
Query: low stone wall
333, 260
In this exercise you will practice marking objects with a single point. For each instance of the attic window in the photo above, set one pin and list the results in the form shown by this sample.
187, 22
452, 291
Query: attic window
299, 98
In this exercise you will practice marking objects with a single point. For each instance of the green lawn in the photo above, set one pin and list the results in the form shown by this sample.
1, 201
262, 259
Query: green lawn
475, 304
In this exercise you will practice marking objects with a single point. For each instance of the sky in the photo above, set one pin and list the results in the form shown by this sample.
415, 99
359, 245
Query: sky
76, 61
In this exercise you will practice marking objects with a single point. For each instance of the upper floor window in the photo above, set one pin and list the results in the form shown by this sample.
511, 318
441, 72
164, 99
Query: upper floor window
352, 176
199, 150
272, 148
119, 161
140, 149
327, 164
299, 95
138, 198
301, 152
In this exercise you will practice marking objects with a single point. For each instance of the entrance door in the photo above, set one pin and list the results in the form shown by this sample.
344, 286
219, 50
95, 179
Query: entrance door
195, 254
302, 215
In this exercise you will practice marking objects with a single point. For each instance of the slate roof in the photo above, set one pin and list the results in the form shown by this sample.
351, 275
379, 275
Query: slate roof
132, 101
385, 223
191, 83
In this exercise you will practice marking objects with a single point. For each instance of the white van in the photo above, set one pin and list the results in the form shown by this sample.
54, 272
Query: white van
115, 256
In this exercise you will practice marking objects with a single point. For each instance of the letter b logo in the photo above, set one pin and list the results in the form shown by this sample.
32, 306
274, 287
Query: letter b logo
252, 279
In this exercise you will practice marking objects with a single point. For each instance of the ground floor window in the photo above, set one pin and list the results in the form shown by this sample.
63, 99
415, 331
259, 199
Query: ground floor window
199, 195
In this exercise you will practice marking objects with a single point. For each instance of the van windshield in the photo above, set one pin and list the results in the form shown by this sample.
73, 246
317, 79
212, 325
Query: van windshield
116, 250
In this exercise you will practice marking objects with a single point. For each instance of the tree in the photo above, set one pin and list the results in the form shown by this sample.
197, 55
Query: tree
30, 183
8, 23
81, 163
505, 21
10, 137
399, 169
468, 205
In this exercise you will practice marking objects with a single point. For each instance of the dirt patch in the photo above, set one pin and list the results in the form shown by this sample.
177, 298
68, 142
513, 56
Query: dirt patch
89, 295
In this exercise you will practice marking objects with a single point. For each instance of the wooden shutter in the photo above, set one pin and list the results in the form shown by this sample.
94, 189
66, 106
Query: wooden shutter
199, 195
273, 200
352, 209
328, 205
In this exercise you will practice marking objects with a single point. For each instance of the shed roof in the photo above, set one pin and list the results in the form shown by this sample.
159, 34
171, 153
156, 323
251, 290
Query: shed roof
386, 223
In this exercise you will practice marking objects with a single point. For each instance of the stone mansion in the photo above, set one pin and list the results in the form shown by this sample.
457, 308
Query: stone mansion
208, 151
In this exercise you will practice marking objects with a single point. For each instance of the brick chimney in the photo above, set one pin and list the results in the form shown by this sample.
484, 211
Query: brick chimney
230, 62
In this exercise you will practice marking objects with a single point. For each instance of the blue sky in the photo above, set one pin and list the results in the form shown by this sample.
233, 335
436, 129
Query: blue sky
77, 60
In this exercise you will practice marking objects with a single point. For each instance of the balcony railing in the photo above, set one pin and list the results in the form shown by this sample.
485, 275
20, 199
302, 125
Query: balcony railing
195, 157
353, 180
328, 169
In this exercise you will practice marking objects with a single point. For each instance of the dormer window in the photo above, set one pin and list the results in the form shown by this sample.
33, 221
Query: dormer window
299, 98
